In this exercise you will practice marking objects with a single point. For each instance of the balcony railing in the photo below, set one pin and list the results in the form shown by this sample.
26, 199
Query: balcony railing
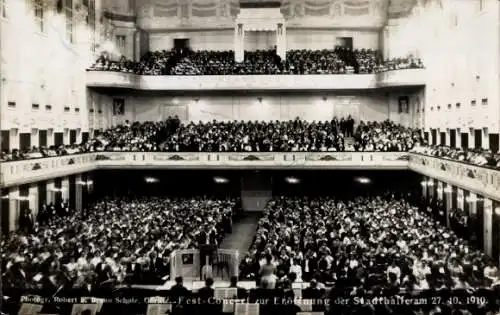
26, 171
483, 181
403, 77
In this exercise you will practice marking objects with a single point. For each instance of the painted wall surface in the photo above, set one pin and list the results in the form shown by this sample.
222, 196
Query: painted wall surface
368, 107
203, 14
458, 73
42, 65
295, 39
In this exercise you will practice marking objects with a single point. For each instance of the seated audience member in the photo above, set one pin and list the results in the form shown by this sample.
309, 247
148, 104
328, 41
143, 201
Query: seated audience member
206, 294
179, 295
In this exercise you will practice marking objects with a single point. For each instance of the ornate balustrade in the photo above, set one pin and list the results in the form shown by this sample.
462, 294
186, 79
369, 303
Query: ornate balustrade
480, 180
271, 160
483, 181
26, 171
406, 77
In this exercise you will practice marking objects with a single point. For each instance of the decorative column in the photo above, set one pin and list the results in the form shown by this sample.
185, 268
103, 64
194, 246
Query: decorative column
14, 139
430, 190
66, 136
33, 199
486, 139
65, 188
35, 139
440, 190
424, 189
50, 189
281, 41
460, 199
79, 193
50, 137
14, 210
386, 42
472, 139
79, 135
239, 43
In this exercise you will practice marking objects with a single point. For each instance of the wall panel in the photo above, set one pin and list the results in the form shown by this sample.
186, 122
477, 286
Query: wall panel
367, 106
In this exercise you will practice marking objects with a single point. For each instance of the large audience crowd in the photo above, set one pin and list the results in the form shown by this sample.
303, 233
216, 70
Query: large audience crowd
375, 246
296, 135
340, 60
361, 248
122, 240
240, 136
480, 157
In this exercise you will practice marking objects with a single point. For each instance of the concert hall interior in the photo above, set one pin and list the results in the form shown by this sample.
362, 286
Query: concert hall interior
246, 157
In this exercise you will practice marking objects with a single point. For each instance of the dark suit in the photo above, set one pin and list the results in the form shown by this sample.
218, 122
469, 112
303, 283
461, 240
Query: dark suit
157, 270
178, 292
210, 236
207, 243
207, 305
205, 294
178, 295
315, 294
312, 264
134, 272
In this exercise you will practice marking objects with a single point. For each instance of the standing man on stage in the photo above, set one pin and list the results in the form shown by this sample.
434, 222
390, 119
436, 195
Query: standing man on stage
207, 242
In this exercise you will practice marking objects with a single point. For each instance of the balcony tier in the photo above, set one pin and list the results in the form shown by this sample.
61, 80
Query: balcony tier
480, 180
395, 78
483, 181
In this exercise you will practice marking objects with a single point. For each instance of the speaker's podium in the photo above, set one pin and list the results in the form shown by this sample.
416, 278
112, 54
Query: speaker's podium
206, 262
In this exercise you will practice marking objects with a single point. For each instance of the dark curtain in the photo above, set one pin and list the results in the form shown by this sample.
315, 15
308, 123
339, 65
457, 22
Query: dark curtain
72, 136
85, 137
495, 246
467, 209
42, 194
5, 210
454, 196
453, 138
442, 139
478, 138
464, 140
480, 222
42, 138
72, 192
494, 142
25, 141
58, 139
5, 140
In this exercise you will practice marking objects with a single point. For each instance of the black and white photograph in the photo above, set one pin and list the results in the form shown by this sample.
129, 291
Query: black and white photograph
250, 157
